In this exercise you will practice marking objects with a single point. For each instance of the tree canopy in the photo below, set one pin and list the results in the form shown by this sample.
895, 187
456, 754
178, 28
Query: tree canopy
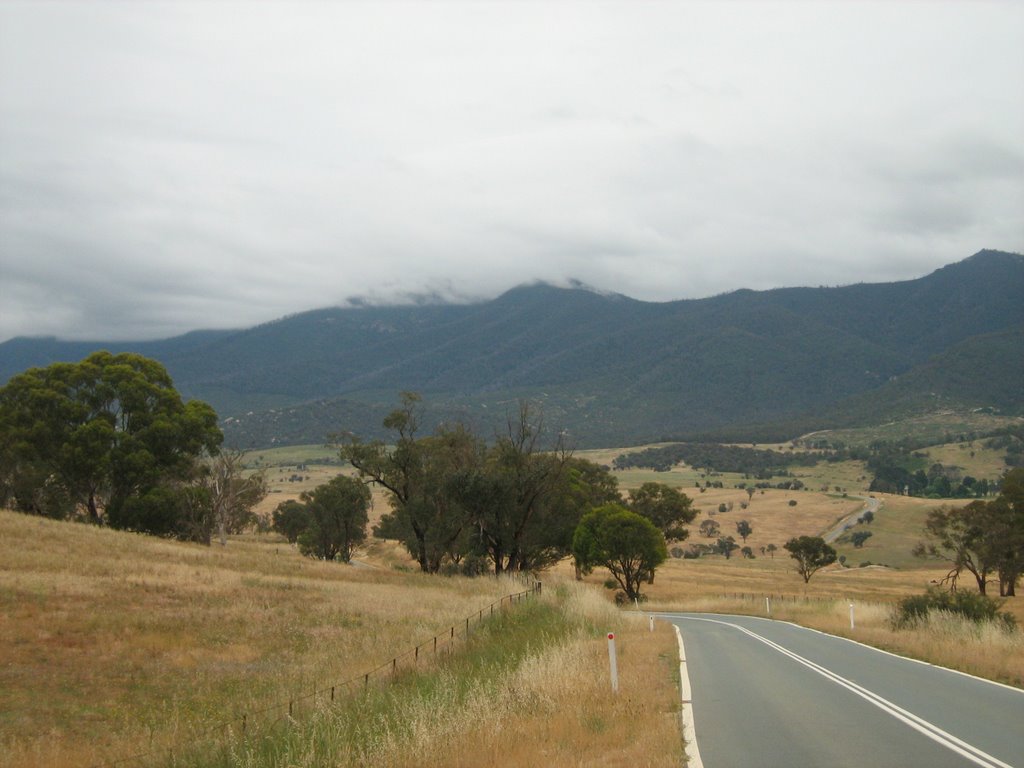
811, 554
336, 518
627, 544
110, 439
667, 507
982, 538
515, 502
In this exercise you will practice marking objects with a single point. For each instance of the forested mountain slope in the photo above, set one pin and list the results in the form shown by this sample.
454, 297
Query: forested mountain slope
609, 368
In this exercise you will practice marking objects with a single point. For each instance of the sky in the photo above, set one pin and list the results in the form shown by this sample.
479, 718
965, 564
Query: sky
172, 166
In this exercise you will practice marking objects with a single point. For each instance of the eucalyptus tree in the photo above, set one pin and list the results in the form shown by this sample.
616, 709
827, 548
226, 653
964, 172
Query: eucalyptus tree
525, 496
627, 544
667, 508
108, 436
337, 516
811, 554
426, 514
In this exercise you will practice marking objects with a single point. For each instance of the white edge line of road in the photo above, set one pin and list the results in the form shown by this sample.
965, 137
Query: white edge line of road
919, 724
689, 732
855, 642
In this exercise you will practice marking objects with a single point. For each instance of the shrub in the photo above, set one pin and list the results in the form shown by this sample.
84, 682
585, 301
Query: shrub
622, 599
971, 605
792, 502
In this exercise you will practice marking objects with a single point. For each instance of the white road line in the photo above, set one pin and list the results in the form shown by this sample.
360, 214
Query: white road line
932, 731
689, 733
1015, 689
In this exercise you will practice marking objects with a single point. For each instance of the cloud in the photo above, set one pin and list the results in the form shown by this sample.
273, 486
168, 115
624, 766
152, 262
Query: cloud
216, 165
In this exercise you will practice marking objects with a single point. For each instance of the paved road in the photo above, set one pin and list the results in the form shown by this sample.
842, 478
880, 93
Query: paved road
767, 693
871, 504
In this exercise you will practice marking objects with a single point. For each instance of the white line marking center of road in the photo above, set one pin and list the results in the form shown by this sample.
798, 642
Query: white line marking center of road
932, 731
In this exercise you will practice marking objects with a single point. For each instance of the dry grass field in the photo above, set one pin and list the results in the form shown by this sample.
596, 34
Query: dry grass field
113, 644
293, 470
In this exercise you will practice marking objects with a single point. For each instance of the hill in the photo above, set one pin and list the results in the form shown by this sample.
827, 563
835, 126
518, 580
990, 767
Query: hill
607, 368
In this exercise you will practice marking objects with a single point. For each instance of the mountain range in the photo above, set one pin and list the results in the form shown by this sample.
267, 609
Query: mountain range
608, 369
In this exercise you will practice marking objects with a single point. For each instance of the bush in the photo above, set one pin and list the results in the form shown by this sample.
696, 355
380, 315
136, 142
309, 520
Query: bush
621, 599
971, 605
792, 502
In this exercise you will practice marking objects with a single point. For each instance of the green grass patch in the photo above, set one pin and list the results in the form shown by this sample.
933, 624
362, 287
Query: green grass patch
356, 728
930, 429
897, 527
292, 455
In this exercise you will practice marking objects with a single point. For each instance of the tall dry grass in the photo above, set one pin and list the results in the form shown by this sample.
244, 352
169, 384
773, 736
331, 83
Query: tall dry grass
112, 643
532, 689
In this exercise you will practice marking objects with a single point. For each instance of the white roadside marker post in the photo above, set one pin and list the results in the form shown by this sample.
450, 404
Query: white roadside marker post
652, 623
612, 663
767, 605
851, 615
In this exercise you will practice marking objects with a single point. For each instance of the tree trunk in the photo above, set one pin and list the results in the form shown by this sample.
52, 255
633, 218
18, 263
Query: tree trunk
421, 555
1008, 584
94, 514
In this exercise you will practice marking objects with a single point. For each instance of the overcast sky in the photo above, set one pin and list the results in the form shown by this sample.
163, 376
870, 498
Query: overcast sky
165, 167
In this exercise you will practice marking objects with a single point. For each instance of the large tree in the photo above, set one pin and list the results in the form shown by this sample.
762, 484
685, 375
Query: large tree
108, 437
426, 514
338, 512
1008, 516
811, 554
668, 508
233, 494
627, 544
523, 525
982, 538
963, 538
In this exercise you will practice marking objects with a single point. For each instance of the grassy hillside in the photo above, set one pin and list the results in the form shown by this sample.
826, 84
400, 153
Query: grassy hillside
928, 429
113, 644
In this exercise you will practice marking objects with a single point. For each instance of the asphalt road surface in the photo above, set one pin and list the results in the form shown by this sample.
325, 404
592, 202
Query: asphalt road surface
871, 504
767, 693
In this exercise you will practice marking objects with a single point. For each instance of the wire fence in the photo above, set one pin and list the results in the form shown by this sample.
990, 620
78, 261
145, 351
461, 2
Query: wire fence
286, 710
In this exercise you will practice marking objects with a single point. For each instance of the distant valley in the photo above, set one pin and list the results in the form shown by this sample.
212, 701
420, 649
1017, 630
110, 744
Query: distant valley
610, 370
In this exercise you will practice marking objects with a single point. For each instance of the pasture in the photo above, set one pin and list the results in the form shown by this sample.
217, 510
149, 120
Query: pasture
113, 643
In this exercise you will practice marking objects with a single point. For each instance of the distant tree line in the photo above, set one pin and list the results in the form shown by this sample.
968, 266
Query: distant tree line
1011, 440
109, 441
897, 470
459, 503
759, 463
